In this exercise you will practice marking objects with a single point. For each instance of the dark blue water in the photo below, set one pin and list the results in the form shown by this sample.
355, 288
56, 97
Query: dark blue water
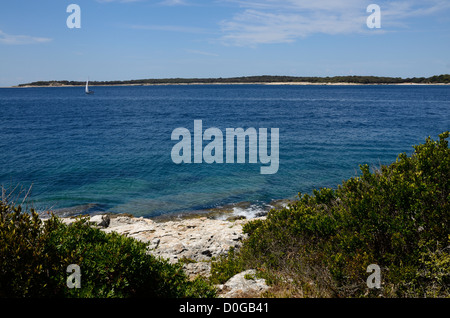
111, 151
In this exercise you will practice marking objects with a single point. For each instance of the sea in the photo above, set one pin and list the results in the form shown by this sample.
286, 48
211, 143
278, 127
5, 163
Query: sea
71, 153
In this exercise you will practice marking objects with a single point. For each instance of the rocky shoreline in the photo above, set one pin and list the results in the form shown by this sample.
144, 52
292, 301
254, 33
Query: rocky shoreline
194, 241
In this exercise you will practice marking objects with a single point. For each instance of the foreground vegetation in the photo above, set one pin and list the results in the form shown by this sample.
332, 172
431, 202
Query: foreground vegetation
437, 79
397, 217
321, 245
34, 257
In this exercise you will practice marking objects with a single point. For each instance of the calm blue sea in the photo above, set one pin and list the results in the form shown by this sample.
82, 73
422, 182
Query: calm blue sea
111, 151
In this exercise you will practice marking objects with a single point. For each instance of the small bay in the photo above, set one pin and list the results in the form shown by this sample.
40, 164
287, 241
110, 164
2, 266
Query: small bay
111, 151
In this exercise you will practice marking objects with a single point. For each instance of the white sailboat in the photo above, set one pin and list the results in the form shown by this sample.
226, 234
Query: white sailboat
87, 88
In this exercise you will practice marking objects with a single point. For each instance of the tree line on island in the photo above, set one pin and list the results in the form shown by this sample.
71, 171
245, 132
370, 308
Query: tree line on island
437, 79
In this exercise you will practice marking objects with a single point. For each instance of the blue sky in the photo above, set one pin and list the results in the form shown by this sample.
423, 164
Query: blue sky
135, 39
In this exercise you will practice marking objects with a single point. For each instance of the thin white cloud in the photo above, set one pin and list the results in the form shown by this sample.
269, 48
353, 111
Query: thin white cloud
122, 1
10, 39
174, 2
402, 10
171, 28
281, 21
163, 2
198, 52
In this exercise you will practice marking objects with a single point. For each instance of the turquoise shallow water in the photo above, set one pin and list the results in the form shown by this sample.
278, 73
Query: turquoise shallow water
111, 151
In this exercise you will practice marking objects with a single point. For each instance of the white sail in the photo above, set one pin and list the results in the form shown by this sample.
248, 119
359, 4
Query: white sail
87, 88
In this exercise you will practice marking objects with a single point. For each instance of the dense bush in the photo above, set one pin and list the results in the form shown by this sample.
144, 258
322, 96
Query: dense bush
34, 256
397, 217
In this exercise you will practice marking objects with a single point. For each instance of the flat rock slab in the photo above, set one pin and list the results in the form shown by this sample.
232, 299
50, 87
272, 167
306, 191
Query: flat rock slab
196, 241
243, 285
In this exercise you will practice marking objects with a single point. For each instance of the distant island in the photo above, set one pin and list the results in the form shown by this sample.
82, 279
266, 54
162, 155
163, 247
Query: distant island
264, 79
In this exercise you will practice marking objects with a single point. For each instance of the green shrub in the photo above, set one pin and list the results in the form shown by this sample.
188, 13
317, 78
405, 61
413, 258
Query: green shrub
34, 256
225, 267
397, 217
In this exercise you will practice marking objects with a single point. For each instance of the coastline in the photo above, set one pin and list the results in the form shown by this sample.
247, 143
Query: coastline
194, 240
239, 83
195, 243
231, 211
443, 79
